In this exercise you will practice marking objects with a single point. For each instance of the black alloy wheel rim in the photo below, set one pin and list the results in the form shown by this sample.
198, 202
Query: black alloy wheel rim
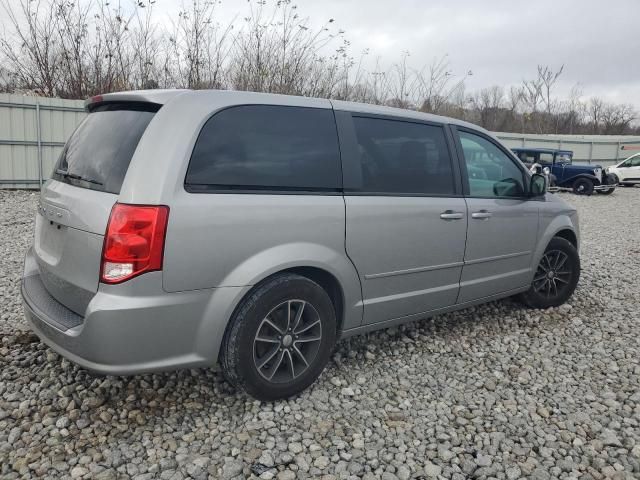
287, 341
553, 275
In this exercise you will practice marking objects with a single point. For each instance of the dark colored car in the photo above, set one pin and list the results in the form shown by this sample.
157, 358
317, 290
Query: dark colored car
582, 179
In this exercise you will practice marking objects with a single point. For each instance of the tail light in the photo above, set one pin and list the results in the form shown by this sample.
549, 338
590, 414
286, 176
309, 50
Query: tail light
134, 241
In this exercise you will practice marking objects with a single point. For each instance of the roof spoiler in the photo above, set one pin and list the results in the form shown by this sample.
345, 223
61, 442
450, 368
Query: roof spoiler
159, 97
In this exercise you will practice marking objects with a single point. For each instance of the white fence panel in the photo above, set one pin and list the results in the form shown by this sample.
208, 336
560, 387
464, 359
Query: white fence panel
33, 130
602, 149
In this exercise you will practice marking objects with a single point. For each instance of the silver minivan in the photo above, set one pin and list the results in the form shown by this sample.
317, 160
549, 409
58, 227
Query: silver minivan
183, 228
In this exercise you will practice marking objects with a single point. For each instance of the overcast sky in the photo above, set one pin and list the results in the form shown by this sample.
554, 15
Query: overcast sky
500, 41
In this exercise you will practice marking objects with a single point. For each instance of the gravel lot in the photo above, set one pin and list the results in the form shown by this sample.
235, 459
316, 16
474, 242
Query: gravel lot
491, 392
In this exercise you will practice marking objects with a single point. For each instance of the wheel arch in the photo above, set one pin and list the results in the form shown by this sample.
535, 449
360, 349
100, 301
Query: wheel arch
329, 283
568, 235
332, 270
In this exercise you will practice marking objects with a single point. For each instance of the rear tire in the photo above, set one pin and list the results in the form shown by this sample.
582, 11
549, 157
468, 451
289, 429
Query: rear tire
583, 186
280, 337
556, 276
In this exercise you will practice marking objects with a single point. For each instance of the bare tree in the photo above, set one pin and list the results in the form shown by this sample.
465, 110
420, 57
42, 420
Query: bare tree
488, 103
402, 85
32, 53
148, 46
571, 112
198, 47
515, 121
77, 48
616, 119
547, 81
6, 84
278, 51
437, 85
595, 111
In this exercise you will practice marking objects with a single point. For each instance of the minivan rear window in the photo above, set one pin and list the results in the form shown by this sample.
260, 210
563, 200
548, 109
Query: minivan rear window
266, 147
98, 153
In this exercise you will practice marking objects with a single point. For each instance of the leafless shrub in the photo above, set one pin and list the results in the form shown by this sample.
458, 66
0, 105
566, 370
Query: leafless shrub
616, 119
77, 48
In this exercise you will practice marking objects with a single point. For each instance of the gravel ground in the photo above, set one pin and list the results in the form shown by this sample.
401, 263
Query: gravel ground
496, 391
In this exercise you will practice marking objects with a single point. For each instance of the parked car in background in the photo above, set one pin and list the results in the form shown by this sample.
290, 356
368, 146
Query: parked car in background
627, 172
582, 179
184, 228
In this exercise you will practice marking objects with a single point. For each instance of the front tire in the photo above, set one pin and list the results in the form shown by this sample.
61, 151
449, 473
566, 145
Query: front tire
556, 277
280, 338
583, 186
609, 179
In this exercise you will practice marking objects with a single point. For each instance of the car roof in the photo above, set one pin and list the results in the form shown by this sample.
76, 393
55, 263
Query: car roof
541, 150
162, 96
357, 107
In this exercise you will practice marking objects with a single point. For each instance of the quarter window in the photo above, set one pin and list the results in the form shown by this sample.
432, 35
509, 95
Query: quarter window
402, 157
490, 171
263, 147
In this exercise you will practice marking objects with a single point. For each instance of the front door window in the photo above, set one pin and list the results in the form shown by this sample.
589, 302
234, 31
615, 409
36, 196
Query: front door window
491, 173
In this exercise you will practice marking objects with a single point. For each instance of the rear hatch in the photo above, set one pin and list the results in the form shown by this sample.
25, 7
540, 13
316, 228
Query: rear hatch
75, 204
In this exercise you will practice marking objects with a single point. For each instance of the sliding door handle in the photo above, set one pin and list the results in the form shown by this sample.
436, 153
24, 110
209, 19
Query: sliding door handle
451, 215
481, 215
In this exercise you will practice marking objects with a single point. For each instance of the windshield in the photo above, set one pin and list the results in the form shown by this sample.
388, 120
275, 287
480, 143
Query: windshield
98, 153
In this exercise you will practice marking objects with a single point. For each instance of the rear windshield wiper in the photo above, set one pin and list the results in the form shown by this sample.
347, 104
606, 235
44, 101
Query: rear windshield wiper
75, 176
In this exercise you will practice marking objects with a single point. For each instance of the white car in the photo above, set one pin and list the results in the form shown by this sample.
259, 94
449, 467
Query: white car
627, 171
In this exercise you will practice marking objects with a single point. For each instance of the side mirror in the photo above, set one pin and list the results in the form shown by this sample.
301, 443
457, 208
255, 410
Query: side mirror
538, 185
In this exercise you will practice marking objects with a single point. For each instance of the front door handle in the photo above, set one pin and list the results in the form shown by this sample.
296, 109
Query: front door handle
481, 215
451, 215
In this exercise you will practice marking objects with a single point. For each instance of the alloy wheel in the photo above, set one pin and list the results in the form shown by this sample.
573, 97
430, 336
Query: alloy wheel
553, 274
287, 341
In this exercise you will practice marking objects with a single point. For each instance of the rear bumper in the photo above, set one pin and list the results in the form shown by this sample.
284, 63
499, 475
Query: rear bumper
132, 328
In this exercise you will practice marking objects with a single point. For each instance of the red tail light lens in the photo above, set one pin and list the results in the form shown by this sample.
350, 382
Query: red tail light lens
134, 242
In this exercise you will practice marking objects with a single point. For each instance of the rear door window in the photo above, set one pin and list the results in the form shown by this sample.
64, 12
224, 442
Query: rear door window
98, 153
546, 157
398, 157
266, 147
526, 157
